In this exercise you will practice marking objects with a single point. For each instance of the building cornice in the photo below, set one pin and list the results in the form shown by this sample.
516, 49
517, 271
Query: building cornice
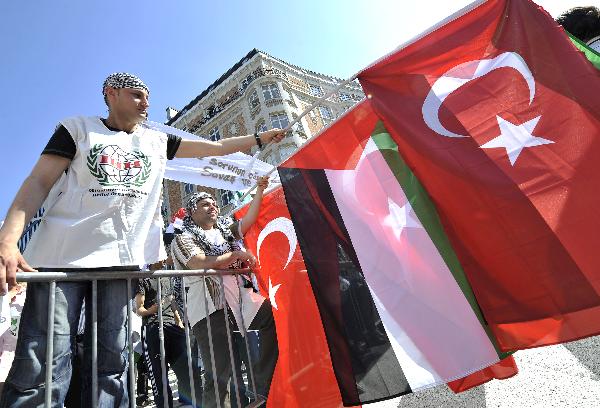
243, 61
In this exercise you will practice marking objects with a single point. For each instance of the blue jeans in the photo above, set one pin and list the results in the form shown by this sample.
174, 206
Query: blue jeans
25, 384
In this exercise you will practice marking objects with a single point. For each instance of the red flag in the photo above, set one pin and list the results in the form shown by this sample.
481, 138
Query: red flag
180, 214
498, 116
304, 374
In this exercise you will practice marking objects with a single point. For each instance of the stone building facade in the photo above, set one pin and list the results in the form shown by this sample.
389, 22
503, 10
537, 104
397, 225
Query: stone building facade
258, 93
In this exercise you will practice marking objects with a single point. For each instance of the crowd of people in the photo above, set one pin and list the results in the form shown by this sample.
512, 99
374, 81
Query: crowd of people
102, 220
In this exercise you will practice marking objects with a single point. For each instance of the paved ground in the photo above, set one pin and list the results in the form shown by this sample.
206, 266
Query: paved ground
560, 376
173, 385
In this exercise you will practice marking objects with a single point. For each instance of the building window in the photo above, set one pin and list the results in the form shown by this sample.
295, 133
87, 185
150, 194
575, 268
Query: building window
261, 126
214, 134
253, 100
188, 188
326, 114
345, 97
316, 90
271, 91
279, 120
226, 197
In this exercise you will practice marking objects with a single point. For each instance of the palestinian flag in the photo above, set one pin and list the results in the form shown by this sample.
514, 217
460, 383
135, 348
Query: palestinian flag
397, 311
497, 114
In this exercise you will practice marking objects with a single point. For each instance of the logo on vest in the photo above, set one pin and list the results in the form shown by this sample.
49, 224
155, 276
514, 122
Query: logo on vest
113, 166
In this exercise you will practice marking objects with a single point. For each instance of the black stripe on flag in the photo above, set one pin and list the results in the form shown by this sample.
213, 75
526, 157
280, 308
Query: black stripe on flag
364, 363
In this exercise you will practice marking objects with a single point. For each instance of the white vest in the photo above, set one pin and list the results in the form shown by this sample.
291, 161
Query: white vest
107, 207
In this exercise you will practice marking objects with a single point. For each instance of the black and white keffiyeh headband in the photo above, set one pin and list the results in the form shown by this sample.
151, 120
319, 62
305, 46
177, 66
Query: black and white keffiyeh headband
192, 202
120, 80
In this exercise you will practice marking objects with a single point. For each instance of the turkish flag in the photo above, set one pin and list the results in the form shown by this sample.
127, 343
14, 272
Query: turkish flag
498, 115
304, 374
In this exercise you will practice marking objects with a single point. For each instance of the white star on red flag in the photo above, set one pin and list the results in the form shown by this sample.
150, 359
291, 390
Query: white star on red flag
514, 138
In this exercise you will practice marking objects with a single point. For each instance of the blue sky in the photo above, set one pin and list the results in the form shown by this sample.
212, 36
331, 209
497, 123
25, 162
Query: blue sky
56, 54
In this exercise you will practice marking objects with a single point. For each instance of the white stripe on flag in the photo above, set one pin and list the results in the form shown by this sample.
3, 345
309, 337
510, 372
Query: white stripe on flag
435, 333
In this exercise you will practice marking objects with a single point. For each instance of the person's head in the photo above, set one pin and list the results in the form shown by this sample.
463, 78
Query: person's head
203, 209
582, 22
126, 96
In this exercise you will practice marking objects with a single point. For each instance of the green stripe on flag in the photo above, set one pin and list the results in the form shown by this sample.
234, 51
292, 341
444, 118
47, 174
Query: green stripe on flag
590, 54
427, 214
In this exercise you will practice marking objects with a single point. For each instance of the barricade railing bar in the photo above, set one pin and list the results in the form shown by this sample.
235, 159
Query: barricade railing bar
128, 275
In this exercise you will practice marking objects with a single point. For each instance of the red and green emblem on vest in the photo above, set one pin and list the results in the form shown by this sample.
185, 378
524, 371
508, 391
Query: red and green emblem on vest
113, 166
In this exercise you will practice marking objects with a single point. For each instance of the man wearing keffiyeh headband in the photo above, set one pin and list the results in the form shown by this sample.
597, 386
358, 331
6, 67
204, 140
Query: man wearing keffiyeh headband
120, 80
101, 180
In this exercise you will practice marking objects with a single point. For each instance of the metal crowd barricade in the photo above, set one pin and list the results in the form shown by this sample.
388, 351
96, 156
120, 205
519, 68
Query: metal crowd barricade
53, 277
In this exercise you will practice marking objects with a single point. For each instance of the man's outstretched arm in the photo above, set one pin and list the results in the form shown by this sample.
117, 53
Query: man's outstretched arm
28, 200
203, 148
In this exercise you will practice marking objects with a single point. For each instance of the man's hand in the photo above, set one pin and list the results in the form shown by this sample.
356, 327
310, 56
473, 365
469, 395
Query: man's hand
273, 135
11, 261
152, 310
246, 257
262, 183
48, 169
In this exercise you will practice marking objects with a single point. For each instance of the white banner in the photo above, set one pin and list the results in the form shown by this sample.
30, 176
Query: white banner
236, 171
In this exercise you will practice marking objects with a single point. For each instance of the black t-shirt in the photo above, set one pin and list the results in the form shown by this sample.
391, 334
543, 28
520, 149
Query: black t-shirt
62, 144
148, 288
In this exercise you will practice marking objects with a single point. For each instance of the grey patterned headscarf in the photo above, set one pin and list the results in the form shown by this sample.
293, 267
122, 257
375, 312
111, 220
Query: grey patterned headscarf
192, 202
120, 80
